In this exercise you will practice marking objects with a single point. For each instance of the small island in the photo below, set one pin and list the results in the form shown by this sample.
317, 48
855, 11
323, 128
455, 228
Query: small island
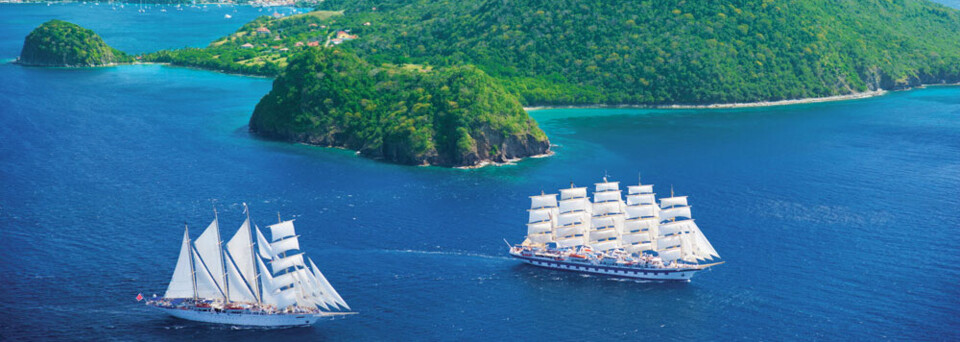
455, 116
58, 43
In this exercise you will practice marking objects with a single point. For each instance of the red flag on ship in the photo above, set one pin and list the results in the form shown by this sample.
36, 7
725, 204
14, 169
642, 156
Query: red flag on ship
139, 297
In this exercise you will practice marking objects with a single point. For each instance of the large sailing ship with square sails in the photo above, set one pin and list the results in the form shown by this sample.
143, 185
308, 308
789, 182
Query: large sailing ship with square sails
633, 238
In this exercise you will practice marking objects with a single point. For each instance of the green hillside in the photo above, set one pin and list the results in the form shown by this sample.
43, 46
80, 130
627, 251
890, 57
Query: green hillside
268, 49
59, 43
657, 52
455, 116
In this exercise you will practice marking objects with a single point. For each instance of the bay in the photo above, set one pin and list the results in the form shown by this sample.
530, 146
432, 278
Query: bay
837, 220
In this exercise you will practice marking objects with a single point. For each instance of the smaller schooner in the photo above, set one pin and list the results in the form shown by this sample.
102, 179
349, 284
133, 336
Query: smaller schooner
250, 281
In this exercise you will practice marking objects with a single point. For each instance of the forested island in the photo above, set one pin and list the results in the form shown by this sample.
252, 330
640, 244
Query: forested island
456, 116
443, 83
58, 43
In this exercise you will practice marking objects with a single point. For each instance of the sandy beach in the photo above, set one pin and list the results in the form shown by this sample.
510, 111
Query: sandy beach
731, 105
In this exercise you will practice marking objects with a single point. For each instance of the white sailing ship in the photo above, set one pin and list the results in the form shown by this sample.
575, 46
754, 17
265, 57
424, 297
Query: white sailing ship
632, 238
249, 280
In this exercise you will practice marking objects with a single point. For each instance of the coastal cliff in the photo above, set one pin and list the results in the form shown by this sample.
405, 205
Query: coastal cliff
58, 43
456, 116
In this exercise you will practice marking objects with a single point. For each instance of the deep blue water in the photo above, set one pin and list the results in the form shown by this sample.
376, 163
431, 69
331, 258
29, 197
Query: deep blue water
837, 220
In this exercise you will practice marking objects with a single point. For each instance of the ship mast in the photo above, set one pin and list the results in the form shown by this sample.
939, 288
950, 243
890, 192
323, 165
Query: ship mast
253, 256
226, 285
193, 272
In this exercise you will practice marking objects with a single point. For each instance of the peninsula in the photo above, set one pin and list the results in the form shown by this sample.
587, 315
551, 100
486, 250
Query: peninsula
58, 43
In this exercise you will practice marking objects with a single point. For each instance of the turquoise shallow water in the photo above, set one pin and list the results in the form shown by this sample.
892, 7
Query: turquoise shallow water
837, 220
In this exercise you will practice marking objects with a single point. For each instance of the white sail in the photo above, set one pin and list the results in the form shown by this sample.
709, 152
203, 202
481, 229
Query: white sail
671, 228
704, 243
569, 219
570, 193
640, 211
636, 247
540, 238
543, 201
207, 287
268, 289
688, 248
281, 264
326, 287
608, 208
639, 225
238, 287
285, 245
208, 247
671, 213
606, 233
263, 247
640, 189
635, 237
539, 227
673, 201
698, 244
240, 249
603, 222
606, 244
572, 241
285, 279
670, 255
540, 215
281, 230
606, 196
286, 297
640, 199
181, 284
668, 242
570, 230
574, 205
317, 295
309, 288
607, 186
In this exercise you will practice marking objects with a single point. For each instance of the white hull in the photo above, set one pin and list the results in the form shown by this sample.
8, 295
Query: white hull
662, 274
246, 319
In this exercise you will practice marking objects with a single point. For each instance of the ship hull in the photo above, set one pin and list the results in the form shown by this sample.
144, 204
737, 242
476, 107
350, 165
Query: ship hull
657, 274
244, 319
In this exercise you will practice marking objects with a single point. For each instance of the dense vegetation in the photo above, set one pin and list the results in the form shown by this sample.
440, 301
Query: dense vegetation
633, 52
268, 51
59, 43
456, 116
295, 3
655, 52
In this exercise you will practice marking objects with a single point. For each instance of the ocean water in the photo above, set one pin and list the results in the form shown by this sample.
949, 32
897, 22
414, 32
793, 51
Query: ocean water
837, 220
